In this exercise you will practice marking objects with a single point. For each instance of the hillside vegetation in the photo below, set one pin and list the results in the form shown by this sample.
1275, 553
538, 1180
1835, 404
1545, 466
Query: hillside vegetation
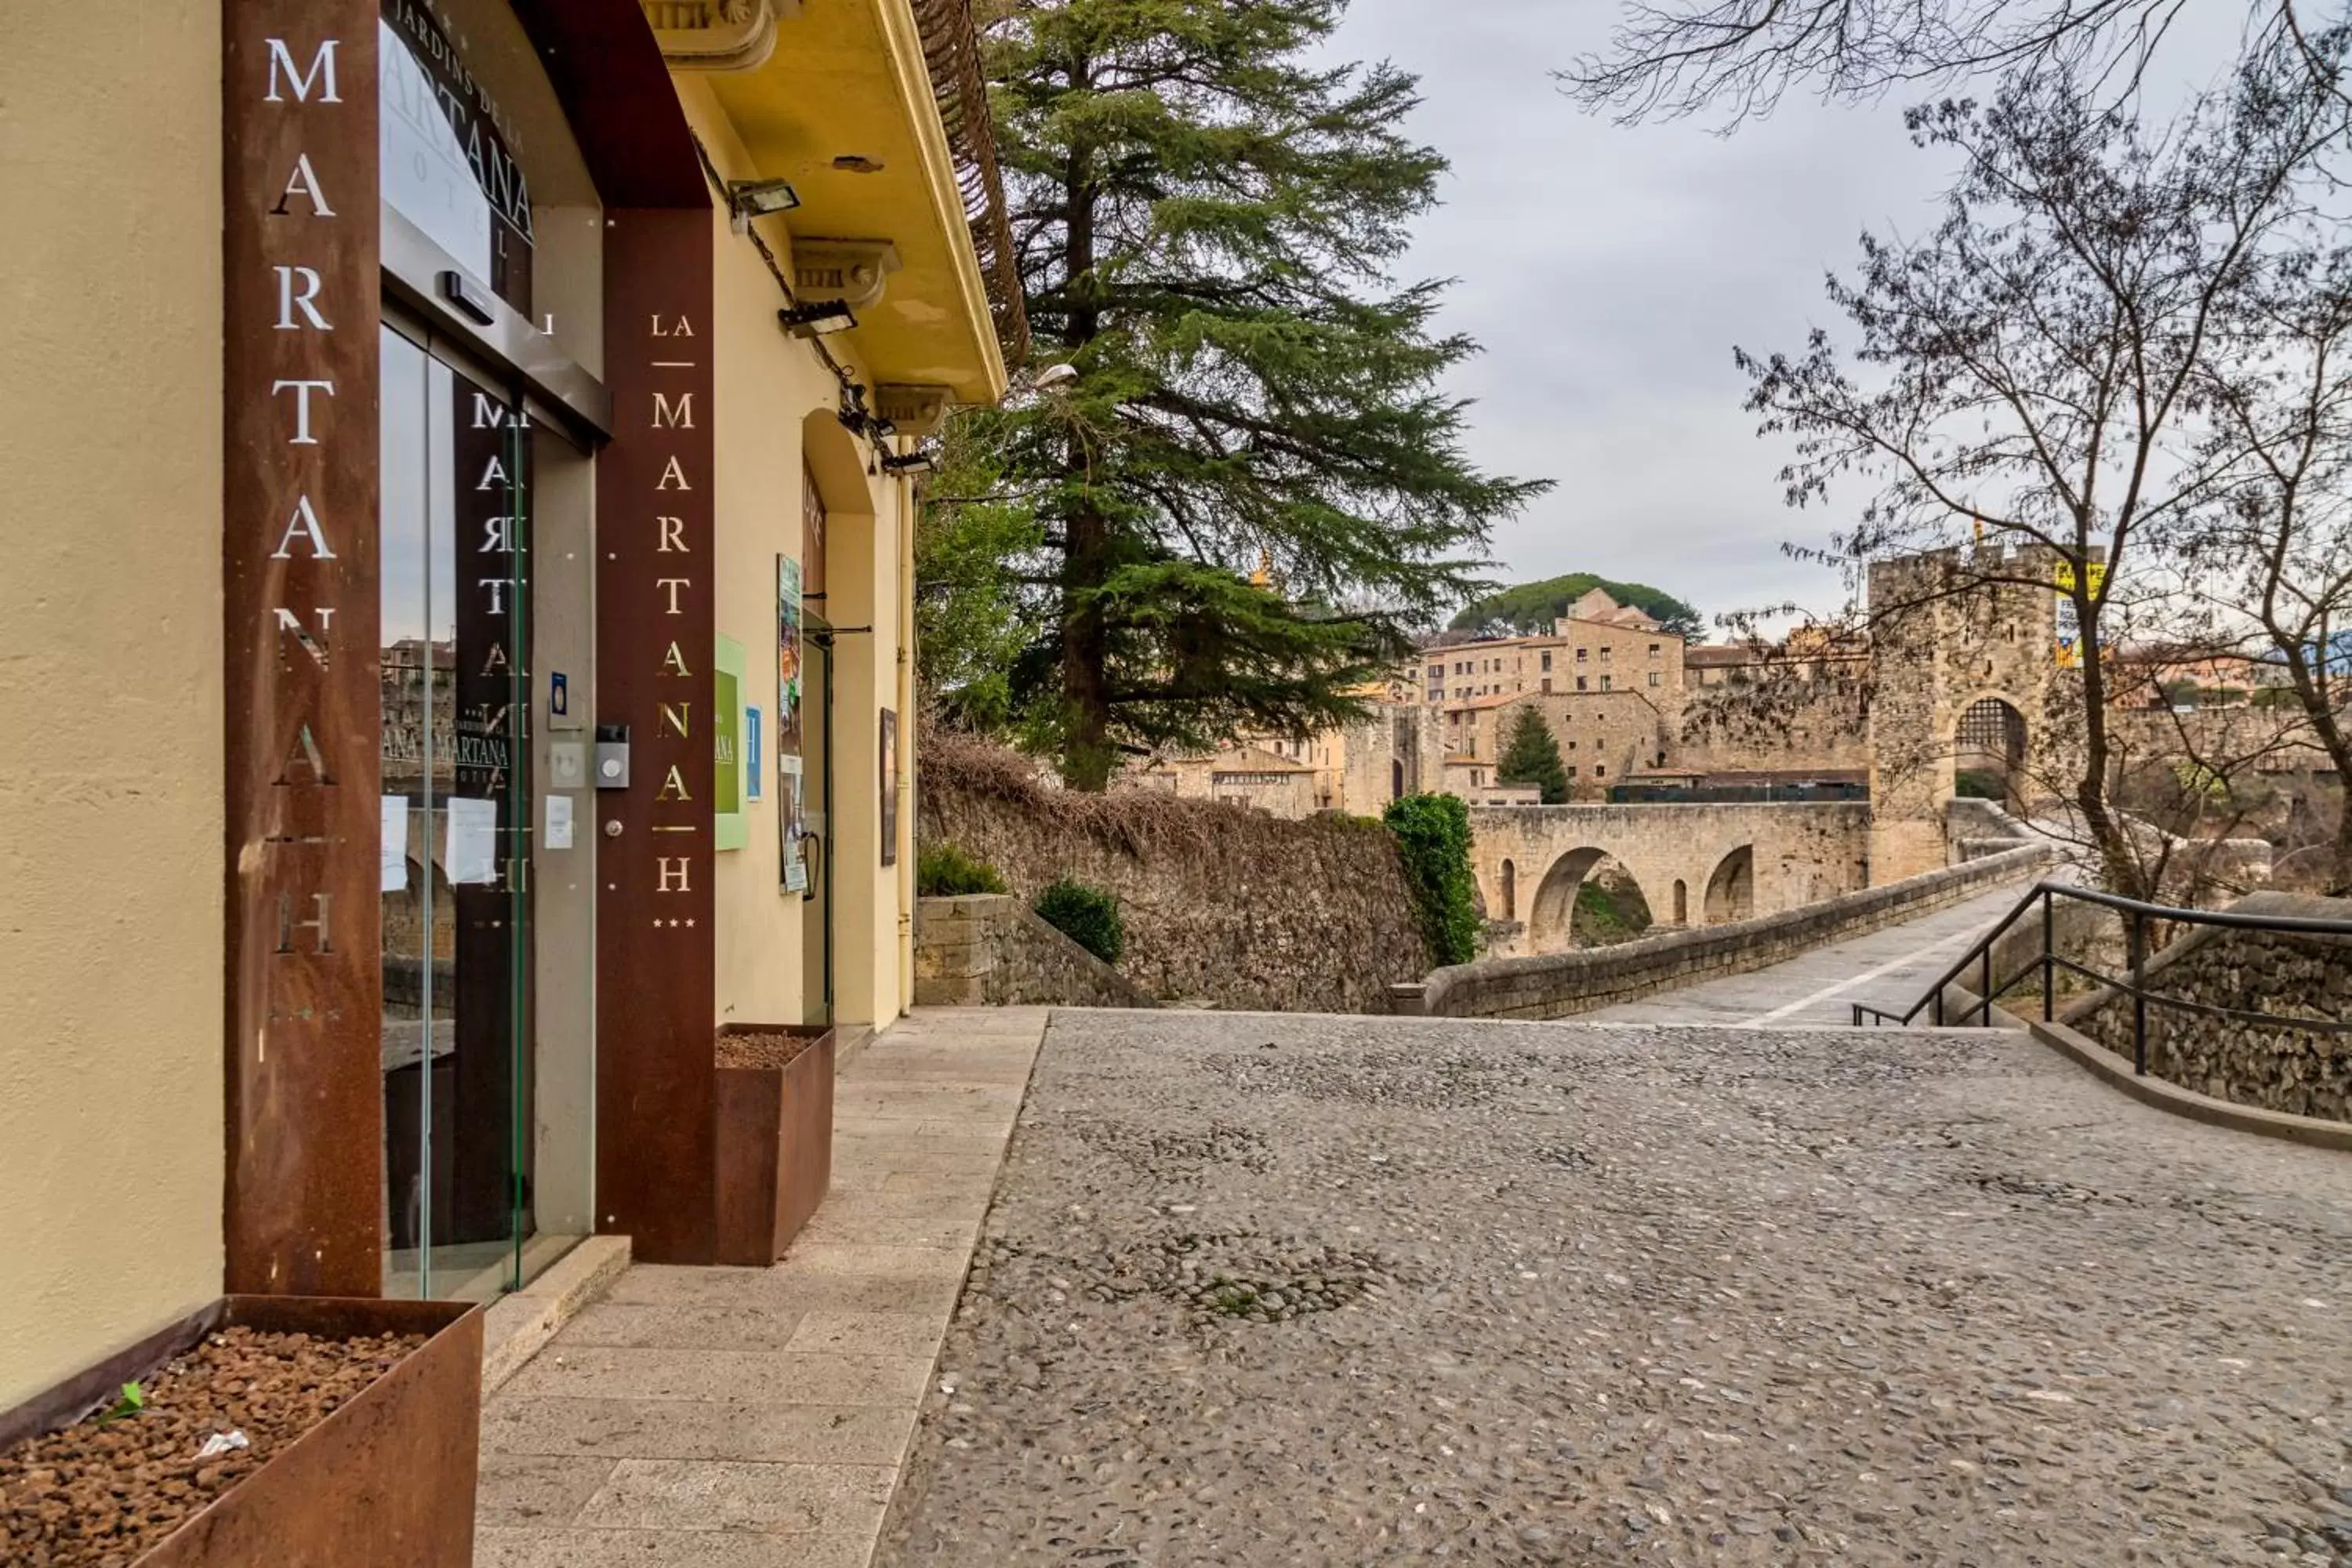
1533, 607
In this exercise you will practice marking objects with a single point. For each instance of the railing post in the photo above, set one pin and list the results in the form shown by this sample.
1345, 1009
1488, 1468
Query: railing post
2049, 961
1984, 988
2134, 963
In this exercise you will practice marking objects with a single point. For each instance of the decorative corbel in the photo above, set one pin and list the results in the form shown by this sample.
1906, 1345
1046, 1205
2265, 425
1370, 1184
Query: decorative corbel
850, 271
716, 35
915, 408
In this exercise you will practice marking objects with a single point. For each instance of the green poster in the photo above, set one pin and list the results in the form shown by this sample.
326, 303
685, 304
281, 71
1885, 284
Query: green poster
727, 741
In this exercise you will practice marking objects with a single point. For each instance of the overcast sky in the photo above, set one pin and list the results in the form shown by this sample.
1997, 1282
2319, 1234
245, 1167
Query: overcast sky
1609, 271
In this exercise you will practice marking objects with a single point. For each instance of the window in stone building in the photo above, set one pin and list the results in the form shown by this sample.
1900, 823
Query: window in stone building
1600, 770
1581, 653
1604, 679
1604, 655
1579, 683
1653, 677
1546, 683
1547, 658
1653, 651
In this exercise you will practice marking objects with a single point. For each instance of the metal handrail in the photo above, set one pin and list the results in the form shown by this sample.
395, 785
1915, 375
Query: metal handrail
2139, 914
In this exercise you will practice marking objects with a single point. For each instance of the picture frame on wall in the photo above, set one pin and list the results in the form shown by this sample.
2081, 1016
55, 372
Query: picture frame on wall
889, 787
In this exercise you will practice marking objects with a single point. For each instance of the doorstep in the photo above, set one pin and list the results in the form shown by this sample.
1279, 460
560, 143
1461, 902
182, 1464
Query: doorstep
727, 1417
517, 1325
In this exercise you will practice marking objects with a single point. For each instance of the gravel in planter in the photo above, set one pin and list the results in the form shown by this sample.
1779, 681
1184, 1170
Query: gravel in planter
759, 1048
96, 1495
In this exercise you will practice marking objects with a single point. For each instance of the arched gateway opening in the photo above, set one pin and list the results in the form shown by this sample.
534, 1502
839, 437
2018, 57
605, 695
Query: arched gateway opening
1989, 752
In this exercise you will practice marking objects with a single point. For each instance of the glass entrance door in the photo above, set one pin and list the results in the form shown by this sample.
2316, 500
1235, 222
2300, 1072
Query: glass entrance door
457, 818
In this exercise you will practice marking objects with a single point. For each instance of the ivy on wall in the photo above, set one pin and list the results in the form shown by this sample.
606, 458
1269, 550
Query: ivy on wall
1433, 834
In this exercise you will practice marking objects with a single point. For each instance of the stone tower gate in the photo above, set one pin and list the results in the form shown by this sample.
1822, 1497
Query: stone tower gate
1964, 658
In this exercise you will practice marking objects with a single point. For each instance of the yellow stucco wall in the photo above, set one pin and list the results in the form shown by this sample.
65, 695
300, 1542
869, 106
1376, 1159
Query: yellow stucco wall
768, 384
110, 807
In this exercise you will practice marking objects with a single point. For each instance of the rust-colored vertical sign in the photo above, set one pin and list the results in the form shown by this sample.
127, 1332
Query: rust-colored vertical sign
655, 966
303, 1205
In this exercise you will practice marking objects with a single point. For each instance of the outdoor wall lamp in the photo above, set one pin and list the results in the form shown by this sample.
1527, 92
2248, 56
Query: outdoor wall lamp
748, 199
911, 463
817, 320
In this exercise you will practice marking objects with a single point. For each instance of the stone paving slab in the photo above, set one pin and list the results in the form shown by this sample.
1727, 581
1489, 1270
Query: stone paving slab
1337, 1291
757, 1417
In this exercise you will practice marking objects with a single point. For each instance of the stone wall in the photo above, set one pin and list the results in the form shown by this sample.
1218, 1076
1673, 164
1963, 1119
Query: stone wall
1807, 714
1562, 984
990, 950
2304, 1072
1221, 904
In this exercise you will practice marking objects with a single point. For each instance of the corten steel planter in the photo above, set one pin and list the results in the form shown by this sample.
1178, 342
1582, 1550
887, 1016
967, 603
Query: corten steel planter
385, 1482
774, 1151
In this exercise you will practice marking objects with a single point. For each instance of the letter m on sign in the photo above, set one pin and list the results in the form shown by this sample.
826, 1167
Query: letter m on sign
299, 80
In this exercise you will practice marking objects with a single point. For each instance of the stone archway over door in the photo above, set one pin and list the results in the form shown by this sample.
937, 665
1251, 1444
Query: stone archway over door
1732, 890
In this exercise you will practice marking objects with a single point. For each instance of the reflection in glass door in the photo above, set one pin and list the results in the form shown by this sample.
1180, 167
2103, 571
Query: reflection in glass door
457, 818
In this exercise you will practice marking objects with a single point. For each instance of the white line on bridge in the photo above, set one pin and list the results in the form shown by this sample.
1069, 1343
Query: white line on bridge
1891, 964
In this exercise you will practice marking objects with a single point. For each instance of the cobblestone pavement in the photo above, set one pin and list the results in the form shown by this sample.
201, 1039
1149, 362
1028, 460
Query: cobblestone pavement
1263, 1290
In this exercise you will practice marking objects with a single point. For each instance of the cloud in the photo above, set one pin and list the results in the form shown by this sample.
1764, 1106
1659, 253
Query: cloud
1608, 271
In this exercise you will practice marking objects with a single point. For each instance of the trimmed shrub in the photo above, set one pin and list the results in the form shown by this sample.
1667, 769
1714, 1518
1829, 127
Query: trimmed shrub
1433, 834
944, 871
1087, 916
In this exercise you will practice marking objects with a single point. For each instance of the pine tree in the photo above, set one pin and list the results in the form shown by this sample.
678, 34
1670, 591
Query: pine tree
1532, 757
1205, 220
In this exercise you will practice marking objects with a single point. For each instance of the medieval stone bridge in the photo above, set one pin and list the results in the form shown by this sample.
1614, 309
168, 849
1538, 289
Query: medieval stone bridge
1696, 863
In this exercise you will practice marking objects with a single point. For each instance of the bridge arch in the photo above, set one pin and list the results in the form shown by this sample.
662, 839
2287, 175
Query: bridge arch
1553, 907
1732, 889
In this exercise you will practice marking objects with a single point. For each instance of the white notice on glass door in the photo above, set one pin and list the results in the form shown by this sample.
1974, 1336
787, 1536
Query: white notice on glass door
473, 849
394, 842
559, 822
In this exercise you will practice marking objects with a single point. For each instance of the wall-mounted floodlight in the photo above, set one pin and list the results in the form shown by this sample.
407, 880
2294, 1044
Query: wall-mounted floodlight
759, 198
912, 463
817, 320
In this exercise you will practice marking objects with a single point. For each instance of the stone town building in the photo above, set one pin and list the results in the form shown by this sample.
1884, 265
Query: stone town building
485, 648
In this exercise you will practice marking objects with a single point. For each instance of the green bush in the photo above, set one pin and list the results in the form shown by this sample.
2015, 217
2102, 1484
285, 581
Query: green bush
1087, 916
1980, 783
1433, 834
944, 871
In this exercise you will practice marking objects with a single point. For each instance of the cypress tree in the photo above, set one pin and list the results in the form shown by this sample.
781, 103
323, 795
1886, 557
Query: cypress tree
1206, 219
1532, 757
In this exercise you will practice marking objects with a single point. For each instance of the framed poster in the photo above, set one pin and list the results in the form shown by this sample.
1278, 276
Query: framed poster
733, 830
793, 834
889, 787
792, 873
788, 657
